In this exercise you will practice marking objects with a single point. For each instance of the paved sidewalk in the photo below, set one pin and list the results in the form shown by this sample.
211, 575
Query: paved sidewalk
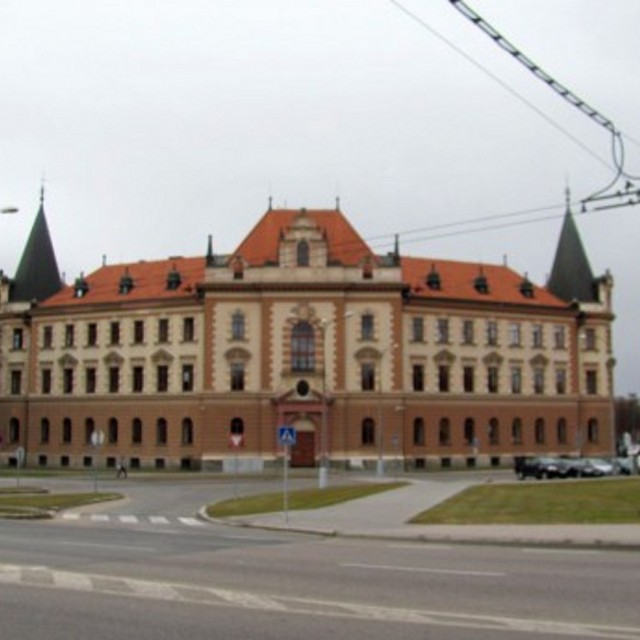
385, 516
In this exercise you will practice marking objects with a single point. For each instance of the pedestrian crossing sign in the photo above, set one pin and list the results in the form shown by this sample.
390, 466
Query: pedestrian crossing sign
286, 436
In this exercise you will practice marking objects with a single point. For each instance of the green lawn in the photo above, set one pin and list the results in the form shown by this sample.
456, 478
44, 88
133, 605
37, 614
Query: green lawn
21, 503
606, 501
304, 499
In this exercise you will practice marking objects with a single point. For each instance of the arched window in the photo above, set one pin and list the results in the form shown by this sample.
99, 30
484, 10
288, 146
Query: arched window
469, 431
14, 430
494, 431
161, 431
539, 430
237, 427
303, 348
444, 432
368, 431
44, 431
303, 254
67, 431
89, 428
516, 431
561, 431
592, 431
418, 432
136, 431
187, 431
113, 431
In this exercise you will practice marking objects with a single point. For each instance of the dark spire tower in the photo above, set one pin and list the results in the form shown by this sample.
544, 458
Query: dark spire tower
37, 276
571, 276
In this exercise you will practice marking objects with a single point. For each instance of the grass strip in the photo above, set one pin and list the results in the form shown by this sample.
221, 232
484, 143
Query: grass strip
608, 501
303, 499
53, 502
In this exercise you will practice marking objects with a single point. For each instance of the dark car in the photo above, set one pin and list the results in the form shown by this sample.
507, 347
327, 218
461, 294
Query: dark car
591, 468
542, 467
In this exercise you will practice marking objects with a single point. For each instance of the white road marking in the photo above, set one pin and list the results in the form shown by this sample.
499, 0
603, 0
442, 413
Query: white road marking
158, 520
584, 552
71, 516
453, 572
192, 522
129, 519
100, 517
422, 546
45, 578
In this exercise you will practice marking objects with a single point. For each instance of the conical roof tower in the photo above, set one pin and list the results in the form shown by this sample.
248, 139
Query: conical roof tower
37, 276
571, 276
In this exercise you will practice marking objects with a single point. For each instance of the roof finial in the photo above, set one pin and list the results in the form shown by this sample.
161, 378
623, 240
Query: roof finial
567, 195
270, 203
337, 203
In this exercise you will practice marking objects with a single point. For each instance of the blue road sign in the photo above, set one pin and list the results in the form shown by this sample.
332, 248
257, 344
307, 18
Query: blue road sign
286, 436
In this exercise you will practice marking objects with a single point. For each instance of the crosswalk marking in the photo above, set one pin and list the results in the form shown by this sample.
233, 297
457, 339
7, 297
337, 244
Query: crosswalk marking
133, 519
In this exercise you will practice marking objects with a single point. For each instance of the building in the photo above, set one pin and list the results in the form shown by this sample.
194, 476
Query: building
374, 359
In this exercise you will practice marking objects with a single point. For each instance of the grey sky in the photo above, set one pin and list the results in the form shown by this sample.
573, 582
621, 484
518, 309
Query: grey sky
158, 123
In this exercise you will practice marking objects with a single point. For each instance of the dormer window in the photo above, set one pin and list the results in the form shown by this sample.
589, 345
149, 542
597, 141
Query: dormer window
303, 254
81, 287
174, 279
526, 288
126, 283
481, 284
433, 279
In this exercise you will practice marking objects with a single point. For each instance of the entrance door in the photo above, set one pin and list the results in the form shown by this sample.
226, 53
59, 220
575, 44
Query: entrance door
303, 453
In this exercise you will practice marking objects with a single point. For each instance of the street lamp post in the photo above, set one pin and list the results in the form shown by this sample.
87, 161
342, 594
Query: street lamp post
380, 462
323, 471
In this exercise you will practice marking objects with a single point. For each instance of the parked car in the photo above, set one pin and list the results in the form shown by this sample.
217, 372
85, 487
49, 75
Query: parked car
542, 467
590, 468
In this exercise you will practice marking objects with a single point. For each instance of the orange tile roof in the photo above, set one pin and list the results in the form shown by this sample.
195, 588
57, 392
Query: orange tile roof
457, 282
344, 243
149, 282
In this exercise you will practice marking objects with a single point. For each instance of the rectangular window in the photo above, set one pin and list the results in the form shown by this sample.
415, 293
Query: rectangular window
16, 383
69, 335
493, 379
592, 382
561, 381
162, 378
163, 330
559, 337
538, 380
467, 332
47, 337
468, 379
589, 339
67, 380
46, 381
516, 380
442, 331
138, 331
188, 330
187, 377
417, 329
67, 431
92, 334
114, 333
367, 326
443, 378
114, 379
515, 334
418, 377
18, 340
90, 379
538, 336
367, 376
138, 380
492, 333
237, 376
237, 326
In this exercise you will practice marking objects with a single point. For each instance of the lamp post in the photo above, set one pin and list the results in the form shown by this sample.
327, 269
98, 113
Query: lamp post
380, 462
323, 471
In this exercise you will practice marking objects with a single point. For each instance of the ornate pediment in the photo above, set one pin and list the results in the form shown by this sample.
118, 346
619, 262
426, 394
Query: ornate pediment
161, 356
539, 361
237, 353
493, 359
67, 360
444, 357
113, 359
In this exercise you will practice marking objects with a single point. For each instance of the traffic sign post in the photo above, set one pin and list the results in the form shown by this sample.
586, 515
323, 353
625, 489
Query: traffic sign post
286, 439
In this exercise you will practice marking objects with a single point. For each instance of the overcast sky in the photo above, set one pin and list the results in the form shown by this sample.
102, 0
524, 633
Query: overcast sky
157, 123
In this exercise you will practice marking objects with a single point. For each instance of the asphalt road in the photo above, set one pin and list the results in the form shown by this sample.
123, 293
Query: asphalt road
172, 578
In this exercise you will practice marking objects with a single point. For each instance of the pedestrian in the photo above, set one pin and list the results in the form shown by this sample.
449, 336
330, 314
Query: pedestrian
122, 469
